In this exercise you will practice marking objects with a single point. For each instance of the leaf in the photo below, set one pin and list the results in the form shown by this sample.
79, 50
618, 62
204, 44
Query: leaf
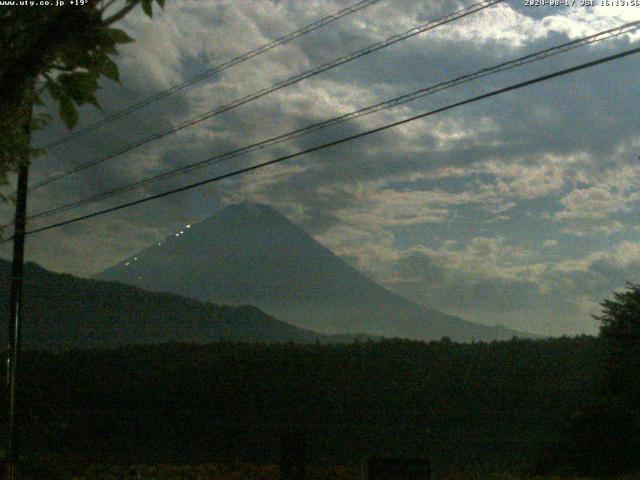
92, 99
39, 120
110, 70
68, 112
80, 86
37, 100
120, 36
54, 89
105, 41
37, 152
161, 3
71, 55
33, 97
109, 48
146, 6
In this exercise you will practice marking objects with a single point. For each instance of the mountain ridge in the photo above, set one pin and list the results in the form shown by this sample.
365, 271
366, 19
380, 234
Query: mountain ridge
63, 311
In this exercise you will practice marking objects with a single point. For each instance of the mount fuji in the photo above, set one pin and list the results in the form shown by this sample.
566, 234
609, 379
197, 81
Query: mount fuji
252, 254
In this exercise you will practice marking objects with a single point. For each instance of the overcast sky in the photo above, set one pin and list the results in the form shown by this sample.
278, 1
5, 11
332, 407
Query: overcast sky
521, 209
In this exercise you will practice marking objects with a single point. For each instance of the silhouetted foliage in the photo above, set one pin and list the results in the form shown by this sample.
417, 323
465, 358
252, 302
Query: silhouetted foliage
620, 335
604, 438
62, 51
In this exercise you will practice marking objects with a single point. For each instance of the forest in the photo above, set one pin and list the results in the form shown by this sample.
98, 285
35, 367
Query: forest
493, 406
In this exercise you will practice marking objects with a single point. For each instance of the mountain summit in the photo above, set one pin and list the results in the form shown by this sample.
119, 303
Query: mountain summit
251, 254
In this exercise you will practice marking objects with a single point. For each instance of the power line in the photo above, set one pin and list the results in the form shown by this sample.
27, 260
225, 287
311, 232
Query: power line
215, 70
339, 141
277, 86
540, 55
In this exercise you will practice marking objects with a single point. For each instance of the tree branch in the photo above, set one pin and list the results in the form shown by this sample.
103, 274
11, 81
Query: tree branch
104, 7
122, 13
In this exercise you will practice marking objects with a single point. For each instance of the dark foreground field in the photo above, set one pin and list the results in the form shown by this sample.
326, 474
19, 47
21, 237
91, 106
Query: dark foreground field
484, 406
243, 471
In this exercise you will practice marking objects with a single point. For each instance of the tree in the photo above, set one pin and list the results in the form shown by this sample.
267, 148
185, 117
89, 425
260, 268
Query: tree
61, 50
67, 48
620, 336
604, 437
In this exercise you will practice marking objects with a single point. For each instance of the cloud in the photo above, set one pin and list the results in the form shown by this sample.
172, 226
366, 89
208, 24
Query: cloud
496, 283
597, 201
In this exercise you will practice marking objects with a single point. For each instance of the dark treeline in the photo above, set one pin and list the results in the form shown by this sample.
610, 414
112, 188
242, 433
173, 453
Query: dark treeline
482, 404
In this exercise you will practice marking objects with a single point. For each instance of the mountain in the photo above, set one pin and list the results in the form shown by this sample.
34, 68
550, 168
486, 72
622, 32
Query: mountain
252, 254
65, 311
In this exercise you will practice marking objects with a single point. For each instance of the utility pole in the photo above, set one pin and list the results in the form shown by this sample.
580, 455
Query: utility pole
15, 309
